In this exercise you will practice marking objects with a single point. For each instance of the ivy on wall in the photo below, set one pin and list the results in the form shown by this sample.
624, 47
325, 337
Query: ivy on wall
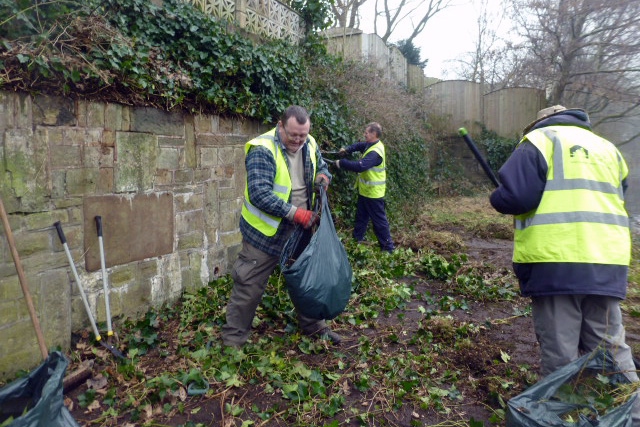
177, 58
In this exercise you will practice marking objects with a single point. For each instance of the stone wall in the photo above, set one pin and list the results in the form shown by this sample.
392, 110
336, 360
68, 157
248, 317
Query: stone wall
168, 187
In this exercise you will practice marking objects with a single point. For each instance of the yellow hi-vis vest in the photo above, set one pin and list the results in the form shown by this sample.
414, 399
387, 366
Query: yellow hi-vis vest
372, 182
260, 220
581, 217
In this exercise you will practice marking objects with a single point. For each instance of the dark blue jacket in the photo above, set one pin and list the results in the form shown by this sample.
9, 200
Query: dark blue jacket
522, 181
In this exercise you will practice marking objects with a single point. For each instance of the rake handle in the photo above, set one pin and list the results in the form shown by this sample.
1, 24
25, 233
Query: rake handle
23, 281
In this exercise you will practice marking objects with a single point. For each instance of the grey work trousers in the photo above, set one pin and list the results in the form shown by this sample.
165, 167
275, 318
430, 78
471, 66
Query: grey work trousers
569, 325
251, 273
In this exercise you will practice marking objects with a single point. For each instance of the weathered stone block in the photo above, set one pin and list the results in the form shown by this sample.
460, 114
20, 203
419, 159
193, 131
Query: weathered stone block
171, 141
208, 157
65, 156
116, 118
121, 276
19, 349
54, 135
82, 181
138, 298
137, 159
188, 221
211, 140
183, 176
163, 178
229, 221
91, 114
192, 274
168, 158
248, 127
10, 290
10, 311
191, 240
203, 123
149, 270
105, 181
29, 243
26, 161
230, 239
190, 158
157, 122
67, 202
54, 307
189, 202
93, 137
225, 171
45, 220
45, 262
53, 111
202, 175
225, 125
228, 193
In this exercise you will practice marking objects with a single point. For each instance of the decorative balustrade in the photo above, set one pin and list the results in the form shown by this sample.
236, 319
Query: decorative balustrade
266, 18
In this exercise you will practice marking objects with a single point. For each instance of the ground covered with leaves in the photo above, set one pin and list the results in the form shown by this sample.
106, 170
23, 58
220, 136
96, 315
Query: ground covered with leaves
434, 335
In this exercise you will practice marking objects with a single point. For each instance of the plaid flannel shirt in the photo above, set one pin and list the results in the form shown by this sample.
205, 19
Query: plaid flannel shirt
261, 172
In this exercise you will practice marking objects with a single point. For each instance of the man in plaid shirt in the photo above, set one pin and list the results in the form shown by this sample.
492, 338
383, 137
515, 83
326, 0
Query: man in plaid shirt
282, 167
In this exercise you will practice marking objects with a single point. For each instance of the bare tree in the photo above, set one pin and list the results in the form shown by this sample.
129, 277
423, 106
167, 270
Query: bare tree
486, 62
584, 53
389, 14
346, 12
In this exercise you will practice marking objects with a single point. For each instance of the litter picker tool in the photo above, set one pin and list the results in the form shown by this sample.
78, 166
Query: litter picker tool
105, 281
485, 166
63, 240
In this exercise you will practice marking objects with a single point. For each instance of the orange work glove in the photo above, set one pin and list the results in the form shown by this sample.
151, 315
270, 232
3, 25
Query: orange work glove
305, 217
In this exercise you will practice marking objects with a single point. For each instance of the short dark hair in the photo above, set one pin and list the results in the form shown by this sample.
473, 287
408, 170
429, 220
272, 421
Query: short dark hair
301, 115
375, 128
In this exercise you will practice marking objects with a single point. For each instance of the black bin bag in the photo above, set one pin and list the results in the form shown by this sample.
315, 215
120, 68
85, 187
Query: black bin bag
319, 280
539, 405
37, 400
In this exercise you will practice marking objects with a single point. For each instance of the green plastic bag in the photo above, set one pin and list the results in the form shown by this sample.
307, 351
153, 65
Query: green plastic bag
319, 280
538, 406
37, 400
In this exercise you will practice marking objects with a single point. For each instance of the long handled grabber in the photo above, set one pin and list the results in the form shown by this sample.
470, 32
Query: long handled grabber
485, 166
63, 240
105, 282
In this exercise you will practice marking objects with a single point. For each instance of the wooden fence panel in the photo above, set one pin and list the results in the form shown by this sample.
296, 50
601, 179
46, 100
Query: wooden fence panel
459, 102
508, 111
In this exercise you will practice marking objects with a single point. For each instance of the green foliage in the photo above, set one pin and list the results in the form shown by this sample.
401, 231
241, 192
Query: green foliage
411, 52
20, 18
498, 148
169, 57
316, 14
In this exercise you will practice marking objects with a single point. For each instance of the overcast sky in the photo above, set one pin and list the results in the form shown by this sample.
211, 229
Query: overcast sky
447, 36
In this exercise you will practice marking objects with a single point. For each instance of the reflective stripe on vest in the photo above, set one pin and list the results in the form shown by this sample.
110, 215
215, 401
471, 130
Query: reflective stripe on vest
260, 220
372, 182
581, 216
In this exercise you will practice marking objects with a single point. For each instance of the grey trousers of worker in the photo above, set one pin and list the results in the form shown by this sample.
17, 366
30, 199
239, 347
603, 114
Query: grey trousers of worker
570, 325
251, 273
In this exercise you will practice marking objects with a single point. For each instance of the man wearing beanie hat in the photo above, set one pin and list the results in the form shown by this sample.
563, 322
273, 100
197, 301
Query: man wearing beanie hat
565, 187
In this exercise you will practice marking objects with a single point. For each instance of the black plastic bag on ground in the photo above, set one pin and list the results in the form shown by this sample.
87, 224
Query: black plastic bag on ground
319, 280
38, 400
540, 406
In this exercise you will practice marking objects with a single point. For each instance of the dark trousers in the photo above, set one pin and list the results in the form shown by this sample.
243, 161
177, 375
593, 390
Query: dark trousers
374, 210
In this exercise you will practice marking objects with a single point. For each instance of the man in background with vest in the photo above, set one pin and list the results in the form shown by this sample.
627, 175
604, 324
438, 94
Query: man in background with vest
371, 184
572, 244
282, 167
